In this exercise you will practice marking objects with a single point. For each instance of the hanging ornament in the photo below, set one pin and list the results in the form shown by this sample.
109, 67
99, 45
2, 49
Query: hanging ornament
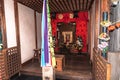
111, 28
117, 24
105, 22
60, 16
71, 15
104, 36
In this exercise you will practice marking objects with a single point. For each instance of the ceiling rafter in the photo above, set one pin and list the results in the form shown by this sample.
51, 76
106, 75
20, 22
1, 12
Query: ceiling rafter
63, 3
91, 4
53, 8
86, 4
68, 6
73, 3
78, 3
71, 8
59, 6
83, 4
55, 5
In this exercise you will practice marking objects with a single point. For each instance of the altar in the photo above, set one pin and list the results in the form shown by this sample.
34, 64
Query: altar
66, 30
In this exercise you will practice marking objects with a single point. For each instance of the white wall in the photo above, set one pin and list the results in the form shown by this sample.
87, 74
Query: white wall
27, 32
38, 19
10, 23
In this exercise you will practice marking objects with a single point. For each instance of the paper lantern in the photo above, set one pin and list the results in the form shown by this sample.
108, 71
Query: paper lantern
117, 25
110, 28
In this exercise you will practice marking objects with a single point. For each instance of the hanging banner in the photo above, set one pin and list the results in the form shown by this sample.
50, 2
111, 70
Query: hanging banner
47, 51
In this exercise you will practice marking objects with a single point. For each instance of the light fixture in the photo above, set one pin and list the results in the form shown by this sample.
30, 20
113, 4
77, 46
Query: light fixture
114, 3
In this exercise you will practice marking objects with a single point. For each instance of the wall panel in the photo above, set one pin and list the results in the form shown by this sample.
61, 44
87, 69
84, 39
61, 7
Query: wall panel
10, 23
27, 32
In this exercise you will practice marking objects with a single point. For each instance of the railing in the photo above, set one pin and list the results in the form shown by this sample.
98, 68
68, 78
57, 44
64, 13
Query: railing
11, 62
101, 68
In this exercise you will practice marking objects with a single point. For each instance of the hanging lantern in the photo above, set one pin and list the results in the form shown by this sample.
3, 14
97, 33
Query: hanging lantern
105, 23
111, 28
117, 24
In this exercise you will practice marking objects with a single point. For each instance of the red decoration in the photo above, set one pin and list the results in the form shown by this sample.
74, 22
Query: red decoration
81, 25
118, 24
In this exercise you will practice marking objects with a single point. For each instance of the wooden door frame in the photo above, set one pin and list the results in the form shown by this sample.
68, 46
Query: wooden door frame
3, 25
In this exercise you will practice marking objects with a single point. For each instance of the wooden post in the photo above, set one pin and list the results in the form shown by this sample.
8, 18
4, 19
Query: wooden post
36, 44
3, 24
48, 73
97, 22
108, 76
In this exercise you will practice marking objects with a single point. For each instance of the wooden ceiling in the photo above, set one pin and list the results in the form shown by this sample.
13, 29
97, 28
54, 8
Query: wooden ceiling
59, 6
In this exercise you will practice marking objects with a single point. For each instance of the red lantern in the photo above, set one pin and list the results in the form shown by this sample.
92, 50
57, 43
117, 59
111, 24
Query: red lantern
118, 25
110, 28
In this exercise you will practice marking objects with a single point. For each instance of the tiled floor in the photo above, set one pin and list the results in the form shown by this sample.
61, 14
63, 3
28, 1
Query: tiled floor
77, 67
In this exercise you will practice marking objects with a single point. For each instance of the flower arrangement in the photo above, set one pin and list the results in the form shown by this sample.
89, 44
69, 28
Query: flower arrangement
104, 48
79, 44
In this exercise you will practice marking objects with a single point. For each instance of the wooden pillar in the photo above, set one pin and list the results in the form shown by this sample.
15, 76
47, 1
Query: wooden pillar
91, 29
17, 27
35, 30
90, 34
97, 22
17, 23
3, 24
